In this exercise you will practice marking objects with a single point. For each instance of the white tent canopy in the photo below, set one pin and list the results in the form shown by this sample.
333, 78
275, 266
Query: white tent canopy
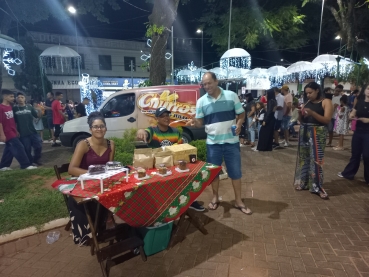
59, 51
60, 58
9, 43
277, 70
235, 53
303, 66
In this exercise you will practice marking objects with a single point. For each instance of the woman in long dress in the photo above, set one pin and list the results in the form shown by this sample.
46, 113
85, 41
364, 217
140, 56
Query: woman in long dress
265, 142
314, 116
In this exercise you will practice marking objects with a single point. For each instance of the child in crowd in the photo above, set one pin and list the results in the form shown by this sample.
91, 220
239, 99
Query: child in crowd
294, 118
342, 122
259, 118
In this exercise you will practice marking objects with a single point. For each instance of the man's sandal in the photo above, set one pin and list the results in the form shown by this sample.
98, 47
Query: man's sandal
215, 206
248, 211
323, 195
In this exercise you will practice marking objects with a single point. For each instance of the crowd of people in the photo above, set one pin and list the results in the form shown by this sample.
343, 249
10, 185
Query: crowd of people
21, 125
320, 114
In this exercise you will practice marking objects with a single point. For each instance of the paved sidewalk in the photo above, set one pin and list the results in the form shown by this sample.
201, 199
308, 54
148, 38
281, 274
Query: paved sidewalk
290, 233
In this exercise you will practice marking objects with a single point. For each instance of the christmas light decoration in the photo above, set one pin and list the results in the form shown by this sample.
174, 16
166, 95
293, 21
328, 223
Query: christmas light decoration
238, 62
366, 61
8, 61
189, 74
146, 57
87, 85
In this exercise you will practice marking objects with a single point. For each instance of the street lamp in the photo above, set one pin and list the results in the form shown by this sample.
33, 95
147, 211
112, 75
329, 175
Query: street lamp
73, 11
320, 30
202, 45
339, 37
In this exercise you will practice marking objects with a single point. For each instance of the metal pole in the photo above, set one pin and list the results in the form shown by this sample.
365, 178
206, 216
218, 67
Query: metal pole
75, 27
321, 21
230, 24
172, 58
202, 48
132, 73
340, 46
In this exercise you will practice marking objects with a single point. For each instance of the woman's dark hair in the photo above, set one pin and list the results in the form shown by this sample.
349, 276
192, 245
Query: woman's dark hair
361, 95
344, 99
314, 86
94, 116
261, 105
271, 93
249, 97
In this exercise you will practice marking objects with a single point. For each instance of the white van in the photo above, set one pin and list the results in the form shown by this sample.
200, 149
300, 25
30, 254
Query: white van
135, 108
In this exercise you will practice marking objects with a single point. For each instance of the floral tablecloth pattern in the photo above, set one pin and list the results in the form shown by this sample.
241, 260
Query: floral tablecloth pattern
149, 202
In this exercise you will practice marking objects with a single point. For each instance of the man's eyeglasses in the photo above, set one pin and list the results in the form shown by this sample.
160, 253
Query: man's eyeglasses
98, 127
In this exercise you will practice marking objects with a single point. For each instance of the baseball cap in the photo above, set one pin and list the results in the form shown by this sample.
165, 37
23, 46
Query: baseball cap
285, 87
160, 111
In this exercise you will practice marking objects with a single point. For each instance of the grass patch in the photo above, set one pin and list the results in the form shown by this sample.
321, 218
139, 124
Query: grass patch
27, 200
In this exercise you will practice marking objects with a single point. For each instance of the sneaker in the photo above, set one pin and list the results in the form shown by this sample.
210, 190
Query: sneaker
339, 174
242, 145
55, 144
5, 169
255, 150
37, 164
286, 144
276, 145
197, 207
282, 141
31, 167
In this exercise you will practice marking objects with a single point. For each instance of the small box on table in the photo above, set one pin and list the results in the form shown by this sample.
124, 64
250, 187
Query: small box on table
182, 152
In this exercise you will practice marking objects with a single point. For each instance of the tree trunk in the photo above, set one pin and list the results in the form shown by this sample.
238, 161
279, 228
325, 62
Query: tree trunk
163, 14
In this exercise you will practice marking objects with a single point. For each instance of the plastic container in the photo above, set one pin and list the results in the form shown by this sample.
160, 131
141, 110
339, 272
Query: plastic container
52, 237
156, 239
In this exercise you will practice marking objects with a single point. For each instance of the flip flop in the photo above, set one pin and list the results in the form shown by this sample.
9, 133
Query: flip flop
243, 207
215, 205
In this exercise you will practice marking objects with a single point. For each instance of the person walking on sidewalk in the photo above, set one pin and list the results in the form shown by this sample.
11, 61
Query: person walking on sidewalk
287, 114
360, 138
24, 115
58, 117
49, 114
9, 135
218, 110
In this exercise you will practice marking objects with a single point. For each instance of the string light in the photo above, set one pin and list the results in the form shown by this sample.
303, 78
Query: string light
8, 61
238, 62
87, 85
146, 57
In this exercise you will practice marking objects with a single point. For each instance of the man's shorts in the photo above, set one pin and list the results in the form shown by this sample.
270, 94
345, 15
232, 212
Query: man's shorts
231, 155
277, 124
331, 125
285, 122
50, 124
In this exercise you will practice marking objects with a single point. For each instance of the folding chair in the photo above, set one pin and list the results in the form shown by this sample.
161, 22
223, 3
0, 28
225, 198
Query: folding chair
58, 171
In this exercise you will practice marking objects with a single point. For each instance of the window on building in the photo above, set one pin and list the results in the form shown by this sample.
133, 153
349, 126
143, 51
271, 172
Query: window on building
105, 62
127, 63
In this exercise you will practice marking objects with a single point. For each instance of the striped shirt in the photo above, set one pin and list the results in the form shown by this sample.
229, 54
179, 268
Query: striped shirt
219, 115
158, 138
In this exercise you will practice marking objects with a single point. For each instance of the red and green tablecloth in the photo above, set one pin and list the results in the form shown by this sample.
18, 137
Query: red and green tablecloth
152, 201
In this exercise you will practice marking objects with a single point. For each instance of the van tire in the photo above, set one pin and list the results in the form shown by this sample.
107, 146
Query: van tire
186, 138
78, 139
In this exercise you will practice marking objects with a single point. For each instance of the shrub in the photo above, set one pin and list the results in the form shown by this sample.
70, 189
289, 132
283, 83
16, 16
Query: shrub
124, 147
201, 149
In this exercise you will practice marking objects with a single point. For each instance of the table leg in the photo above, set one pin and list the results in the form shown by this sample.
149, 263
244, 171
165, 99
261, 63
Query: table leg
195, 220
93, 233
176, 234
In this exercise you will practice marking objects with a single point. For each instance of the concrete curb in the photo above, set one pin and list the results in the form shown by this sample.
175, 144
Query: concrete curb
32, 230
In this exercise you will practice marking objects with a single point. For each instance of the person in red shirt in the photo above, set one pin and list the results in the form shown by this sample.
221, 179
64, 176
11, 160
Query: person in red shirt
58, 116
263, 98
9, 135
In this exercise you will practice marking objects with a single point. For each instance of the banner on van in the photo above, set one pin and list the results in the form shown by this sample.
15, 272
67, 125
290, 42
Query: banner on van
181, 104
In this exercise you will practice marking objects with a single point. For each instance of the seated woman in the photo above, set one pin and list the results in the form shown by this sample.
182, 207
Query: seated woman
91, 151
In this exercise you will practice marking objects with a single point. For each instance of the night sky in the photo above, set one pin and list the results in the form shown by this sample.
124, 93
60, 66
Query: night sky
128, 23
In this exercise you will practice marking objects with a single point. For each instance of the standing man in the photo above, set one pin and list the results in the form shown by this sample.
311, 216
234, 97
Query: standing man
164, 135
24, 115
218, 110
81, 107
58, 116
8, 134
287, 114
278, 114
335, 102
49, 114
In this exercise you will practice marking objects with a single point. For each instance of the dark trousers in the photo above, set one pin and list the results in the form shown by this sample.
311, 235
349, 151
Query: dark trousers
57, 130
292, 128
359, 146
32, 141
14, 149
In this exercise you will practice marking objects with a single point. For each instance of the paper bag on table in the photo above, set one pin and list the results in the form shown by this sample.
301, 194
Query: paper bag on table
163, 157
143, 158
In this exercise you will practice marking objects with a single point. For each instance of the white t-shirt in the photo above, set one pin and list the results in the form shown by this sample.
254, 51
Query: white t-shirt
335, 100
278, 114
